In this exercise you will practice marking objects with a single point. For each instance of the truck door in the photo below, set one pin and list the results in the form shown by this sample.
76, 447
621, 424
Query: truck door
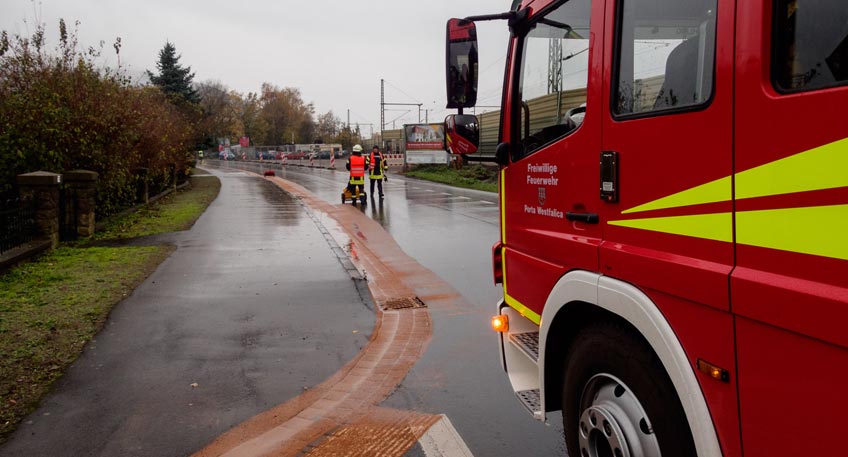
668, 145
555, 126
790, 288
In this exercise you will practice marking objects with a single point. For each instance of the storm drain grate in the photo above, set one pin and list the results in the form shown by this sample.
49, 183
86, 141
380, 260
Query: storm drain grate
403, 303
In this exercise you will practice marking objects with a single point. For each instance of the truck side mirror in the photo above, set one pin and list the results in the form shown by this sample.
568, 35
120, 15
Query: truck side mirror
462, 133
461, 63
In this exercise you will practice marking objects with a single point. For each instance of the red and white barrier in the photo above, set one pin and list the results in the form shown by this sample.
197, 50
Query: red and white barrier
332, 161
394, 160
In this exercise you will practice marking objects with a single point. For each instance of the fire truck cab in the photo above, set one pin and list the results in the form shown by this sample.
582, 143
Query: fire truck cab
674, 220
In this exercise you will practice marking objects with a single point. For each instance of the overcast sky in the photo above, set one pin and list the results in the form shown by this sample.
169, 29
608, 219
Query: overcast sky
335, 52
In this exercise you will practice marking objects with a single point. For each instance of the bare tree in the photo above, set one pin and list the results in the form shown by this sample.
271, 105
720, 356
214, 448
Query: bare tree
286, 115
221, 111
328, 127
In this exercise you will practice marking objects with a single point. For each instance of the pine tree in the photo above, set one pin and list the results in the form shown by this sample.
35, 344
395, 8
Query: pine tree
173, 79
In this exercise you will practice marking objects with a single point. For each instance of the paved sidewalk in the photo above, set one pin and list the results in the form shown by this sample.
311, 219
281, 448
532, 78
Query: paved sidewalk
252, 308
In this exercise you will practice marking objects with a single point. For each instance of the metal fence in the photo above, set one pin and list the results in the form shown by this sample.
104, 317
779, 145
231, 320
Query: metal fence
67, 214
17, 224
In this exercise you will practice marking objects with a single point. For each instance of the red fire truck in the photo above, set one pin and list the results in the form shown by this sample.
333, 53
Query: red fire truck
674, 220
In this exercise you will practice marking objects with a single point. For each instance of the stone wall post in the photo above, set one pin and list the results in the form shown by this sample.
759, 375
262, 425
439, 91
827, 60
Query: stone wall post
82, 190
41, 188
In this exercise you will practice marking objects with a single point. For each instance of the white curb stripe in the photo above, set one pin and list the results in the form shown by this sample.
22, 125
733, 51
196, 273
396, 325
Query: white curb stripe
442, 440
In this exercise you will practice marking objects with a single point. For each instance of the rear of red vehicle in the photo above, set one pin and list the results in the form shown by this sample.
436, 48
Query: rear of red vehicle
674, 204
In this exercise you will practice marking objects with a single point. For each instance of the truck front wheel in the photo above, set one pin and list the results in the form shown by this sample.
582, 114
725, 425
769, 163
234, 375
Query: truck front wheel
618, 400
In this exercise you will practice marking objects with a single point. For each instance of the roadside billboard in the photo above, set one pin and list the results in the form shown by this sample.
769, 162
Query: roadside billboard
425, 143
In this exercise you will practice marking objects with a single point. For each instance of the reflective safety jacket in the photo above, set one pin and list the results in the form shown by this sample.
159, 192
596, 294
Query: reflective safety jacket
376, 166
357, 169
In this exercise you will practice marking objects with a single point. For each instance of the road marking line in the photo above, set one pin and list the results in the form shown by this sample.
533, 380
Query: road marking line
442, 440
437, 198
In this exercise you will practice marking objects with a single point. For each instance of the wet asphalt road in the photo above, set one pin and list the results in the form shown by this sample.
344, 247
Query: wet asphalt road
450, 231
252, 307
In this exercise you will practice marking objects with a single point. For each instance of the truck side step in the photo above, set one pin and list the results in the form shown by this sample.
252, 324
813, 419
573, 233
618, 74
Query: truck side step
532, 400
528, 343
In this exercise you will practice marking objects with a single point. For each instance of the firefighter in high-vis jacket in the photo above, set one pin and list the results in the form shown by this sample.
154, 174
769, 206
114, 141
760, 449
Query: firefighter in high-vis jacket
356, 165
376, 170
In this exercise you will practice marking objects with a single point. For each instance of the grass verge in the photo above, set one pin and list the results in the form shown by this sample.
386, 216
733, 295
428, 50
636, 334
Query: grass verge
470, 177
51, 307
174, 212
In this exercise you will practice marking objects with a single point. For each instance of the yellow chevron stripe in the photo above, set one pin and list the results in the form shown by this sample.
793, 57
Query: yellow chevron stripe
817, 230
825, 167
718, 226
819, 168
715, 191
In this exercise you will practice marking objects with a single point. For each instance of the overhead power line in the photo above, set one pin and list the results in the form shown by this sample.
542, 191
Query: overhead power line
402, 91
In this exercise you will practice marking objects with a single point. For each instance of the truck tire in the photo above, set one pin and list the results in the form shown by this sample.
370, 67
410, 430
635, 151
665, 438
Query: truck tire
618, 400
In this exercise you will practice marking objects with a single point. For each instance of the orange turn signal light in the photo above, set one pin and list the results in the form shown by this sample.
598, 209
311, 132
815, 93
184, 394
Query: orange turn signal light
713, 371
500, 323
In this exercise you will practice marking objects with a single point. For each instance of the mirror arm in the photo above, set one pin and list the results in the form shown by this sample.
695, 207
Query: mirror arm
515, 19
491, 17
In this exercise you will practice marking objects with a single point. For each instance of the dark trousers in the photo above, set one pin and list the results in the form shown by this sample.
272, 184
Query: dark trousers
351, 186
379, 182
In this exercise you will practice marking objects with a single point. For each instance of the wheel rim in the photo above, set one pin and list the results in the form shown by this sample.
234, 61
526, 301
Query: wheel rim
613, 422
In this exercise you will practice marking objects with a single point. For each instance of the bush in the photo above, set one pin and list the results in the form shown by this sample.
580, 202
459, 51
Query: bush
59, 112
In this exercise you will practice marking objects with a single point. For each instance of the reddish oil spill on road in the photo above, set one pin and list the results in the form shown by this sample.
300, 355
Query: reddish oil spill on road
341, 416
